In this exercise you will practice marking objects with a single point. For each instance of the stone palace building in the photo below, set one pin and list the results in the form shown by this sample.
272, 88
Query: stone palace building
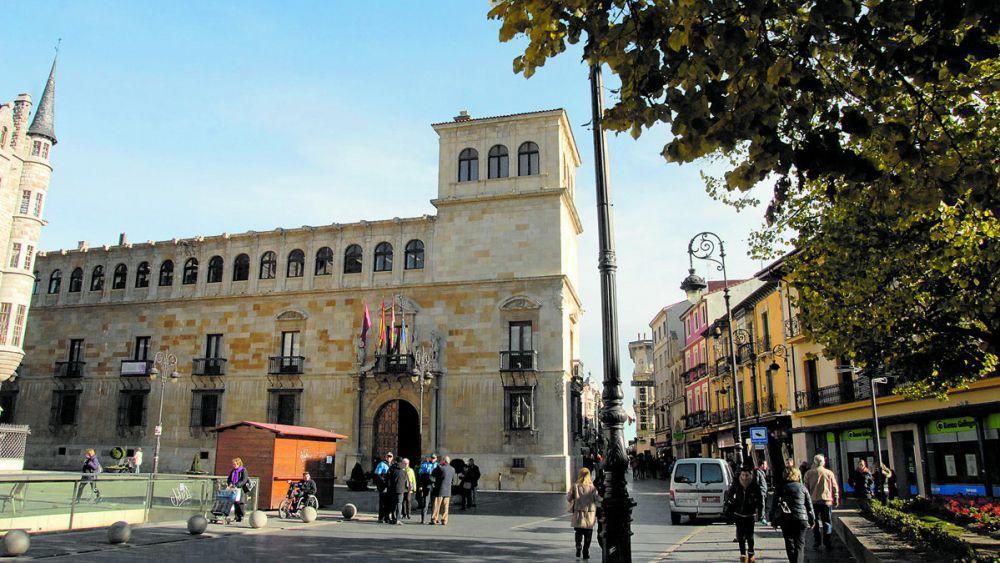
480, 300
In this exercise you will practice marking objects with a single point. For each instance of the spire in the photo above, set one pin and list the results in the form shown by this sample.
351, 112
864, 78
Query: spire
44, 116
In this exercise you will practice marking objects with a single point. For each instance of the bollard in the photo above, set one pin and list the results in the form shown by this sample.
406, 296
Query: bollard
16, 542
349, 511
197, 525
119, 532
258, 519
308, 514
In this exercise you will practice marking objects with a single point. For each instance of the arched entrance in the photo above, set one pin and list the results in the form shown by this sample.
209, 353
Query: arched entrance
397, 429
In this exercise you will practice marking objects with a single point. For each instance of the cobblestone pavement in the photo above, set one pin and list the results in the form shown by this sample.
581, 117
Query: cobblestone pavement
505, 526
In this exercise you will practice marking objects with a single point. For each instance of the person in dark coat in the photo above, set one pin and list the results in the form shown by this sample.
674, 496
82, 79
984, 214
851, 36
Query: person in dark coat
424, 483
799, 518
238, 479
91, 467
381, 477
862, 481
394, 492
470, 482
744, 506
444, 477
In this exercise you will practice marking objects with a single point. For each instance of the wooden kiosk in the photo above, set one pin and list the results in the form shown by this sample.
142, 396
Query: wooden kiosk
276, 454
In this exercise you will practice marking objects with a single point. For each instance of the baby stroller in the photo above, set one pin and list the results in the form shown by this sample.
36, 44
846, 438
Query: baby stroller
222, 509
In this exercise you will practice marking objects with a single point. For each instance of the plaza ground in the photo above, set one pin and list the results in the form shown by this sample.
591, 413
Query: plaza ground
505, 526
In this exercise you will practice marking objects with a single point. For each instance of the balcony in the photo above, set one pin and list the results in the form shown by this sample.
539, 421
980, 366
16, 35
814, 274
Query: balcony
839, 394
722, 367
70, 369
395, 364
208, 366
793, 327
286, 365
519, 360
694, 374
696, 419
136, 368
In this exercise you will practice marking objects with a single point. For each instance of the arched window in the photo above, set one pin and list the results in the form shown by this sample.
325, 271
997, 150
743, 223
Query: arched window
55, 280
167, 273
527, 159
415, 255
468, 165
215, 269
268, 265
383, 257
241, 268
97, 279
324, 261
352, 259
76, 280
142, 275
498, 162
190, 272
120, 277
296, 264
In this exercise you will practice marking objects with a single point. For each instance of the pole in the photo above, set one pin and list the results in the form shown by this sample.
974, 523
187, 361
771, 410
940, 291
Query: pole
732, 358
617, 505
159, 426
879, 476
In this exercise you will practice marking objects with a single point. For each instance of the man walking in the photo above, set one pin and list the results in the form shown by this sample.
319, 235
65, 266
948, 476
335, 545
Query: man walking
381, 484
470, 482
411, 487
424, 483
444, 477
395, 491
822, 486
762, 481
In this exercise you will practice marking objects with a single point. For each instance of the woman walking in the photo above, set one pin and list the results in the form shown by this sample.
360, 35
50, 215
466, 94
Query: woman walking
744, 506
91, 467
583, 499
862, 481
238, 480
793, 511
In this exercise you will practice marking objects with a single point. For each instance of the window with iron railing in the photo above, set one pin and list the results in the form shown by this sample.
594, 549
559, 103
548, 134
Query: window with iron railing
206, 408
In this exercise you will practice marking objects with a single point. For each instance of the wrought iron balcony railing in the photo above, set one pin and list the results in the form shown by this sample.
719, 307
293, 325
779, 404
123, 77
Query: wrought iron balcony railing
839, 394
519, 360
394, 363
70, 369
793, 327
696, 419
132, 368
695, 373
208, 366
286, 365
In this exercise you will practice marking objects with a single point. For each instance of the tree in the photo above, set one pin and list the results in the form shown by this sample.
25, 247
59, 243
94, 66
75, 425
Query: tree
875, 121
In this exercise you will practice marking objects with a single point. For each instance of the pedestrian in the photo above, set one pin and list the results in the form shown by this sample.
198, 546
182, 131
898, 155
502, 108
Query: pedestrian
470, 482
583, 499
381, 478
444, 478
803, 467
822, 486
744, 505
411, 487
397, 481
793, 512
91, 467
761, 480
892, 487
238, 480
424, 483
136, 460
862, 481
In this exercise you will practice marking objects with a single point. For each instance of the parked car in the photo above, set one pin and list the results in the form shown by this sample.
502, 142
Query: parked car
698, 488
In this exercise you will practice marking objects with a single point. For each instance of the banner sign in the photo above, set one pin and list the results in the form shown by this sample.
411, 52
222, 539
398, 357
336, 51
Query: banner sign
952, 425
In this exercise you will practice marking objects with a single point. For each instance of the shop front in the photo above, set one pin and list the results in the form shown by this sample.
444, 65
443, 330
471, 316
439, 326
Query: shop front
956, 448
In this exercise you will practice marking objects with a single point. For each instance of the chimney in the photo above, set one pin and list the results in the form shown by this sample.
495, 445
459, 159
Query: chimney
82, 245
122, 239
463, 116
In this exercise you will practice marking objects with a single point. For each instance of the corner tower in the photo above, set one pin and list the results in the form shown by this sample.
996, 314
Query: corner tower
25, 172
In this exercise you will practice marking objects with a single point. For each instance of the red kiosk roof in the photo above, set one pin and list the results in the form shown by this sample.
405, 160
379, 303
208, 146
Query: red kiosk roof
285, 430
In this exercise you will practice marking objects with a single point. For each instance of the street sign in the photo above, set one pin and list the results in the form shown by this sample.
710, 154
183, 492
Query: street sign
644, 383
758, 435
157, 430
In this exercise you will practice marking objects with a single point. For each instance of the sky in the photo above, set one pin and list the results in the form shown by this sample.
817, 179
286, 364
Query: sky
178, 119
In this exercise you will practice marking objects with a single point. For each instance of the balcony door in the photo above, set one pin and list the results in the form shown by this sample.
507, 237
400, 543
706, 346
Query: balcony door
289, 351
519, 344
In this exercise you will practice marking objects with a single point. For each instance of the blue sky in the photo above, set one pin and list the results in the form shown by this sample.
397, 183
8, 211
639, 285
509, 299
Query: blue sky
183, 118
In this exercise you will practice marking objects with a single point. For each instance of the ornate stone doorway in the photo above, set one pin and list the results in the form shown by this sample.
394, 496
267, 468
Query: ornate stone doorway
397, 429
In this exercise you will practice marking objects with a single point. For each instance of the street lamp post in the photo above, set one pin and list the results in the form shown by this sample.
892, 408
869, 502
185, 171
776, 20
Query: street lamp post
423, 375
165, 363
703, 246
880, 481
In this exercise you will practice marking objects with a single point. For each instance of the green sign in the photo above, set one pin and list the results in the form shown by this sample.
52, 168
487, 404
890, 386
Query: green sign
858, 434
678, 436
993, 421
952, 425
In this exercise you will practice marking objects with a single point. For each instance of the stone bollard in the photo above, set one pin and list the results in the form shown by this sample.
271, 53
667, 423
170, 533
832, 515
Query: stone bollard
197, 525
119, 532
349, 511
258, 519
16, 542
309, 514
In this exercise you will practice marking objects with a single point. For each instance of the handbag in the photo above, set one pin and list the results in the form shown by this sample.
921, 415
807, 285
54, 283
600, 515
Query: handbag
571, 504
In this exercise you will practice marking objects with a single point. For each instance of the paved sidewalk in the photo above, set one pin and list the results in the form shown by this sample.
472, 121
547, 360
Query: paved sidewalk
714, 542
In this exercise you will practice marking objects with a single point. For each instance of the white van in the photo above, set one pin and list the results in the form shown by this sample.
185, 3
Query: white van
698, 488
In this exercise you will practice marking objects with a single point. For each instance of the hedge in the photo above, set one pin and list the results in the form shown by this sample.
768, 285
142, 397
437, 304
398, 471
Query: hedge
924, 534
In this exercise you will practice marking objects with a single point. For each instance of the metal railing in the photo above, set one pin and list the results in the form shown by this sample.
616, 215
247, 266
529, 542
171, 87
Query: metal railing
793, 327
839, 394
519, 360
394, 363
695, 373
286, 365
696, 419
132, 368
208, 366
70, 369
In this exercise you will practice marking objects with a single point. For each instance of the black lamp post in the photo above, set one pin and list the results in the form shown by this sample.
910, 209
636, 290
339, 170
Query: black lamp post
703, 247
617, 505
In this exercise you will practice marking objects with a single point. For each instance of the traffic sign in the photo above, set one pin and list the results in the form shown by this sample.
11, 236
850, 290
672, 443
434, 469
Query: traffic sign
758, 435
